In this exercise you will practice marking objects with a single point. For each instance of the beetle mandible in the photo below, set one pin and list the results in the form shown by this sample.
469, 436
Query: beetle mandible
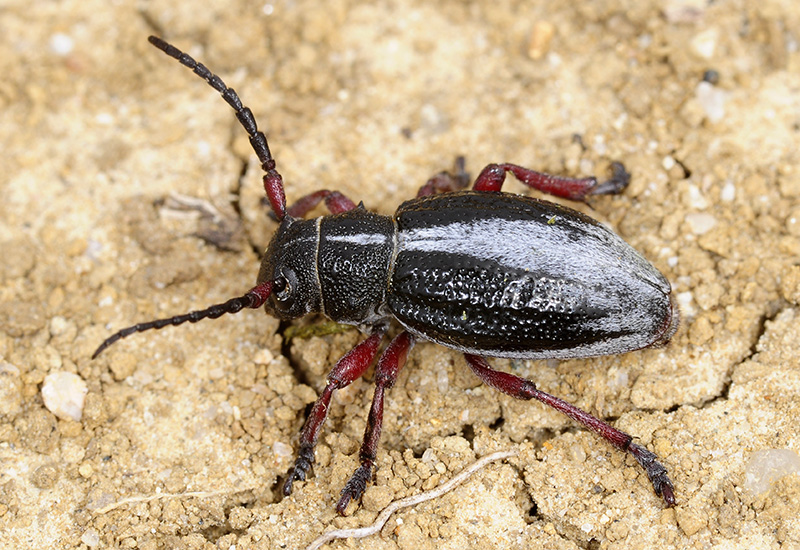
486, 273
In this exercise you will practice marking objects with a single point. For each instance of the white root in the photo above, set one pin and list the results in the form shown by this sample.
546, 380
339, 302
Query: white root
383, 517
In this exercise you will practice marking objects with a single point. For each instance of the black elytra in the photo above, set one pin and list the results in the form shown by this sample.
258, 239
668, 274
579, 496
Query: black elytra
487, 273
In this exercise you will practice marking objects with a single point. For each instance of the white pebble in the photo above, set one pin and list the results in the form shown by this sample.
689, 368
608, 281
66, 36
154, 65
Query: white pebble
685, 303
105, 119
58, 325
712, 101
616, 380
442, 381
672, 261
282, 449
704, 43
263, 357
203, 148
766, 467
728, 192
63, 394
700, 222
226, 407
577, 453
61, 44
696, 198
429, 457
431, 118
90, 538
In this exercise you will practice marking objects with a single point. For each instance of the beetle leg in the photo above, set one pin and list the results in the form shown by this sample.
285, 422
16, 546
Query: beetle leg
334, 200
521, 388
492, 177
349, 368
445, 182
389, 365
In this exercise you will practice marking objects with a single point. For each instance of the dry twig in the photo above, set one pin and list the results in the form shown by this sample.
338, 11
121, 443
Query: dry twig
383, 517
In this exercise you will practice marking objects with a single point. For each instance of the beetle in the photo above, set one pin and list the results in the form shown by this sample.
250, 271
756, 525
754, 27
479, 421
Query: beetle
486, 273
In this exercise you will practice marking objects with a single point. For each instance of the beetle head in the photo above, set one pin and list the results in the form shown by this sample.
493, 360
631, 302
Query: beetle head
290, 264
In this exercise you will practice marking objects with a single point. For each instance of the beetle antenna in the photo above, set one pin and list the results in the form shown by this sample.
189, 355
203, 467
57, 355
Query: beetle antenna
273, 183
254, 299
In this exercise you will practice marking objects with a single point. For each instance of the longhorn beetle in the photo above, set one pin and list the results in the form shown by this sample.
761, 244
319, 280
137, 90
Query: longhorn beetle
486, 273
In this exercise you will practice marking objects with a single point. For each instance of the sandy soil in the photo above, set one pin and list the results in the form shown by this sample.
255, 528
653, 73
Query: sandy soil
108, 148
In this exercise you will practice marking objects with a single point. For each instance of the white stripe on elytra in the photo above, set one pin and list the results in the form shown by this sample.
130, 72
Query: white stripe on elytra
529, 245
362, 239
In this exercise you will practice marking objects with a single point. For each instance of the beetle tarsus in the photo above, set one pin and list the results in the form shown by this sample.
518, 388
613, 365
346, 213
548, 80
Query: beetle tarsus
619, 180
657, 473
492, 177
355, 487
305, 457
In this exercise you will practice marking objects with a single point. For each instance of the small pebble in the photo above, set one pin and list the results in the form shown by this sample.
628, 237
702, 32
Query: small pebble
61, 44
728, 192
705, 43
541, 37
767, 466
712, 101
63, 394
700, 222
711, 76
282, 449
90, 538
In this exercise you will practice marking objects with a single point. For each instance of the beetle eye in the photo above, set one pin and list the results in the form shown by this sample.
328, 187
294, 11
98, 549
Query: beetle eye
282, 289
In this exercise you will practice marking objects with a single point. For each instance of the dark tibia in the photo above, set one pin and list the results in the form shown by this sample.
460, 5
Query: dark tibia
386, 372
521, 388
254, 299
347, 369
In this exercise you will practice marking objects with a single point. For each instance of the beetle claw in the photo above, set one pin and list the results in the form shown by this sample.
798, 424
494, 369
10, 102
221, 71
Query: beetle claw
296, 473
666, 491
355, 487
656, 471
619, 180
